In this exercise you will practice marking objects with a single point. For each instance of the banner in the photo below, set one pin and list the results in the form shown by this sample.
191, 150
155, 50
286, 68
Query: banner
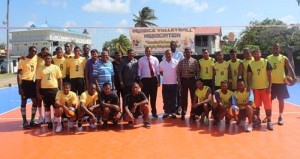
159, 39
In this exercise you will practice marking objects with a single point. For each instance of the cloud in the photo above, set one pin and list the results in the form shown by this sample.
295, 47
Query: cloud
289, 19
55, 3
252, 15
222, 9
193, 4
70, 23
122, 23
29, 23
108, 6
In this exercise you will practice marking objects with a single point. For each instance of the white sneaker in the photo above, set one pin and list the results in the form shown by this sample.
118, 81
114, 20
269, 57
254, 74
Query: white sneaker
58, 128
70, 124
54, 120
242, 123
79, 128
93, 126
41, 120
249, 128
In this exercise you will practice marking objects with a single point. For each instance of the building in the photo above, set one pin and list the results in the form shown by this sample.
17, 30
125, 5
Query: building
45, 36
208, 38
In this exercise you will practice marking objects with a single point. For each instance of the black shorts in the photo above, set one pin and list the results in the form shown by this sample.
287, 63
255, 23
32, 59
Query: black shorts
279, 91
208, 83
48, 95
137, 112
28, 88
66, 79
112, 112
200, 109
77, 85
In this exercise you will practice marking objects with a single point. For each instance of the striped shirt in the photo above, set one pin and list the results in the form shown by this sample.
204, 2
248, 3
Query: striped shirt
188, 68
104, 72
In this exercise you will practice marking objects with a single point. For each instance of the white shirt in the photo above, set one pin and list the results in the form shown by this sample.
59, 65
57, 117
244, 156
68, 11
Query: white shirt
143, 69
169, 71
177, 55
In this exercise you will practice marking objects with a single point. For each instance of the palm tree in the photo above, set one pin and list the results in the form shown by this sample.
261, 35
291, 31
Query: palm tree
144, 17
122, 44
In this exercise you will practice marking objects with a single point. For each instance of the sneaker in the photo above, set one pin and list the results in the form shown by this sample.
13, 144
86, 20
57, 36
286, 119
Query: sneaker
257, 123
93, 126
58, 128
26, 125
165, 116
79, 128
265, 120
270, 126
49, 125
215, 123
249, 128
41, 120
130, 124
154, 115
71, 124
241, 123
147, 124
34, 124
173, 115
280, 121
206, 122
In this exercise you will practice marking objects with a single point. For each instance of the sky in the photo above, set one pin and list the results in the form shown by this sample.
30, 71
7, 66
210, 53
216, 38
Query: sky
119, 13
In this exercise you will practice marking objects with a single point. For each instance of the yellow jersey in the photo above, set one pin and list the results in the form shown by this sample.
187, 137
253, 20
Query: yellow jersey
48, 76
245, 75
68, 56
62, 64
68, 100
28, 67
76, 67
234, 67
201, 94
225, 99
87, 99
242, 98
206, 66
40, 61
221, 72
278, 72
259, 74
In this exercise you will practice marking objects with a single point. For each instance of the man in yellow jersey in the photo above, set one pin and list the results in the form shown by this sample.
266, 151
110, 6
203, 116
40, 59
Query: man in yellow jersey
260, 80
67, 54
242, 71
279, 89
221, 71
244, 100
76, 66
234, 66
48, 82
65, 106
88, 106
201, 103
60, 61
26, 84
221, 104
206, 68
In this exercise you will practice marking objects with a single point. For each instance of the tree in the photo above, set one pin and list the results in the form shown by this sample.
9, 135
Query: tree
2, 46
122, 44
144, 17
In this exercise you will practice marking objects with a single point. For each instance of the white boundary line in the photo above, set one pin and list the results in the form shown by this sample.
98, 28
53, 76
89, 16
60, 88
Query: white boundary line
292, 103
13, 109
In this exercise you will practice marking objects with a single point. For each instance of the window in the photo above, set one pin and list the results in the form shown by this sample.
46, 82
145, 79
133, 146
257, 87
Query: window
201, 41
55, 43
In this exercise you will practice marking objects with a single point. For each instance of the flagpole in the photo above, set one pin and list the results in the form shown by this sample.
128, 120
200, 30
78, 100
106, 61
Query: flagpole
7, 39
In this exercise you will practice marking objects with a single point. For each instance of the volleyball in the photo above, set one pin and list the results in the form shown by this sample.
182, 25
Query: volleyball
71, 112
234, 110
289, 81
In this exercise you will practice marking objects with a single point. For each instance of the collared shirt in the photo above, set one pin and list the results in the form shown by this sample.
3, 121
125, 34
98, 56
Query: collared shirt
176, 55
89, 69
144, 71
129, 70
188, 68
104, 72
169, 71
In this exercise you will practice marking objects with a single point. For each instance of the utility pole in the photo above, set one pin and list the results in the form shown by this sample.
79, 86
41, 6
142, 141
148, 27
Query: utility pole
7, 39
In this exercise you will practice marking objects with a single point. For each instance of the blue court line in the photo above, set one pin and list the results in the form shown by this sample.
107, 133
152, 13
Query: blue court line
294, 94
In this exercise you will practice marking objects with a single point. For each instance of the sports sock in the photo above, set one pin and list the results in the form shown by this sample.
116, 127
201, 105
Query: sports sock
58, 120
33, 111
23, 112
47, 116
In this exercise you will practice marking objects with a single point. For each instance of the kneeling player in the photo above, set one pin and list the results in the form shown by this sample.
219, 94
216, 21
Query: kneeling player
65, 106
109, 102
222, 103
136, 104
201, 102
244, 100
88, 106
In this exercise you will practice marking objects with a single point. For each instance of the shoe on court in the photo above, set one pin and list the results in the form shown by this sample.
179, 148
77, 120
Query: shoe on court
147, 124
265, 120
206, 122
41, 120
257, 123
58, 128
130, 124
49, 125
26, 125
249, 128
34, 124
70, 124
173, 115
79, 128
241, 123
165, 116
270, 126
93, 126
280, 121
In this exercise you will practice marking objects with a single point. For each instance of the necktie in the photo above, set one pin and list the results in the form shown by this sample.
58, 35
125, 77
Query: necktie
150, 67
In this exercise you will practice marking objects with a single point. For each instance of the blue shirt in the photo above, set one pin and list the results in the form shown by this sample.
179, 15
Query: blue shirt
89, 67
104, 72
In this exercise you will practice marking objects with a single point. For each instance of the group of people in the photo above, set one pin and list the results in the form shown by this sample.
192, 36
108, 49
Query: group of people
92, 86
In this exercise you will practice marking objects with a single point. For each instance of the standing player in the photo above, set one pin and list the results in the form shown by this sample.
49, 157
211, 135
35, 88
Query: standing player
242, 71
234, 66
201, 102
86, 51
206, 69
244, 100
60, 61
88, 106
221, 71
260, 80
221, 104
89, 67
65, 106
76, 66
26, 84
68, 53
279, 89
136, 104
110, 106
116, 64
48, 82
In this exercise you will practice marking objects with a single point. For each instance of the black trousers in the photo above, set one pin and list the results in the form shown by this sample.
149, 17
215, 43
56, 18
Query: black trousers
150, 89
77, 85
187, 84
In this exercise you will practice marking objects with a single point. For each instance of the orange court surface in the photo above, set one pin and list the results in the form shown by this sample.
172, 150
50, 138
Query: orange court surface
167, 138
